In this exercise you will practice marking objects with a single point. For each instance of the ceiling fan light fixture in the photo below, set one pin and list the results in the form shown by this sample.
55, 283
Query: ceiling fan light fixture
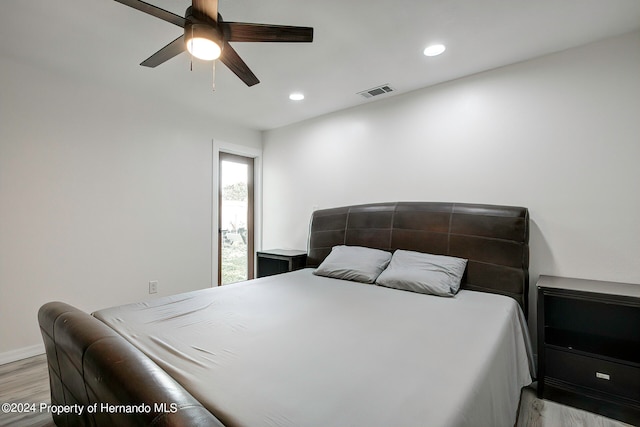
203, 40
203, 48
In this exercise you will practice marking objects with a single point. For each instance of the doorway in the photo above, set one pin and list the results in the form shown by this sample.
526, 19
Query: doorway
235, 218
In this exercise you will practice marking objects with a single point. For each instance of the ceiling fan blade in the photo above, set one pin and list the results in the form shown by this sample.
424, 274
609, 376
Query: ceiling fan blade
245, 32
232, 60
208, 8
166, 53
155, 11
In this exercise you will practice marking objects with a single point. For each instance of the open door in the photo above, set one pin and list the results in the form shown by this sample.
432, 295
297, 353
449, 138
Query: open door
235, 219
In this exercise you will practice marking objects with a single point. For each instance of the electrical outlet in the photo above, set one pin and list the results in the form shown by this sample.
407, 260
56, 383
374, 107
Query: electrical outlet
153, 287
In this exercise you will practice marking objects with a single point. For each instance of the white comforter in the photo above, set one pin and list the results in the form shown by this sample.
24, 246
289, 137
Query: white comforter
298, 350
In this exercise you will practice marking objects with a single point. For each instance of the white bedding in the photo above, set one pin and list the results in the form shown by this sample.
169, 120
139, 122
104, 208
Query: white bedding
298, 350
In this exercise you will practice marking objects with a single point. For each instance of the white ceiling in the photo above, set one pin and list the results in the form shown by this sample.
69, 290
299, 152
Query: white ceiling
358, 44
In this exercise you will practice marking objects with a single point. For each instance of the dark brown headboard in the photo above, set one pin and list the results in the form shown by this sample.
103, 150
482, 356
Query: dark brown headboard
495, 239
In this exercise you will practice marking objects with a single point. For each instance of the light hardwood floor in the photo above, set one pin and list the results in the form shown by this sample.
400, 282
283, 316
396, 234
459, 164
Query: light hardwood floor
27, 381
536, 412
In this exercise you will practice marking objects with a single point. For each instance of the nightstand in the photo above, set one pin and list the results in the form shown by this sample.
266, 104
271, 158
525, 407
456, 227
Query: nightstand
589, 345
276, 261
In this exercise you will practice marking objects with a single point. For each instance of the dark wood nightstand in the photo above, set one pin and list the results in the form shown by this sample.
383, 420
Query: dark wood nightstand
589, 345
276, 261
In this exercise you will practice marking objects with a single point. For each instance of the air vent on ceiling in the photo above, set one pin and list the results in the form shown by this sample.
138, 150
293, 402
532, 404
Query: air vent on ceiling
379, 90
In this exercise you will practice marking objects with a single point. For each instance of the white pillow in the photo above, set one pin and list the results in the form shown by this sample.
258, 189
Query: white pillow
354, 263
423, 273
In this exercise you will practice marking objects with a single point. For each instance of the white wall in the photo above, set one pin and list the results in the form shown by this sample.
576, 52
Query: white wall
559, 135
100, 192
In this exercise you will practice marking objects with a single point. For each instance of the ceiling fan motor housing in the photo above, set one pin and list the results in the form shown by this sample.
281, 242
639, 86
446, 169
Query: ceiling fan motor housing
204, 28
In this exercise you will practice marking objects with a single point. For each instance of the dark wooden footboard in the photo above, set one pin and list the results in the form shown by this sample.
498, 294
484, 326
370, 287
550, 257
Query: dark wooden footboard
102, 380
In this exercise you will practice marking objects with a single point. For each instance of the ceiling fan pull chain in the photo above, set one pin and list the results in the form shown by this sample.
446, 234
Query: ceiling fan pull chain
191, 41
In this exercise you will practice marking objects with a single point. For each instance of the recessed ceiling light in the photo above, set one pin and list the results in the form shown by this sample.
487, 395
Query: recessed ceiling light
296, 96
434, 50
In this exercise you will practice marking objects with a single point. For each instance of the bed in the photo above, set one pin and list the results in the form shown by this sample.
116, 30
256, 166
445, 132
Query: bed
301, 349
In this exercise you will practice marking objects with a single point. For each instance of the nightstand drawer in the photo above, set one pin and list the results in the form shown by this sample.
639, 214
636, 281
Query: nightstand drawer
601, 375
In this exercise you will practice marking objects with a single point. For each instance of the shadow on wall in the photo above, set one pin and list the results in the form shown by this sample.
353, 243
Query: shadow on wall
541, 261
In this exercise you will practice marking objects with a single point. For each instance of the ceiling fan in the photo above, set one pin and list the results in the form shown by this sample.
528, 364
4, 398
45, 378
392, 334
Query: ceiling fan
206, 36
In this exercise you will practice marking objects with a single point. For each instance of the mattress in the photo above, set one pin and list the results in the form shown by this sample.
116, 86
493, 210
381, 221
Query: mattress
297, 350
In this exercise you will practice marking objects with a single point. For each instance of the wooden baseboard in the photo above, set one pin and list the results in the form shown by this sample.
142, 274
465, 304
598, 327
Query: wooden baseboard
21, 353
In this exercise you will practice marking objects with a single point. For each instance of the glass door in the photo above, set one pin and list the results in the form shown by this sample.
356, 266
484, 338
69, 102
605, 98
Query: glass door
235, 216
